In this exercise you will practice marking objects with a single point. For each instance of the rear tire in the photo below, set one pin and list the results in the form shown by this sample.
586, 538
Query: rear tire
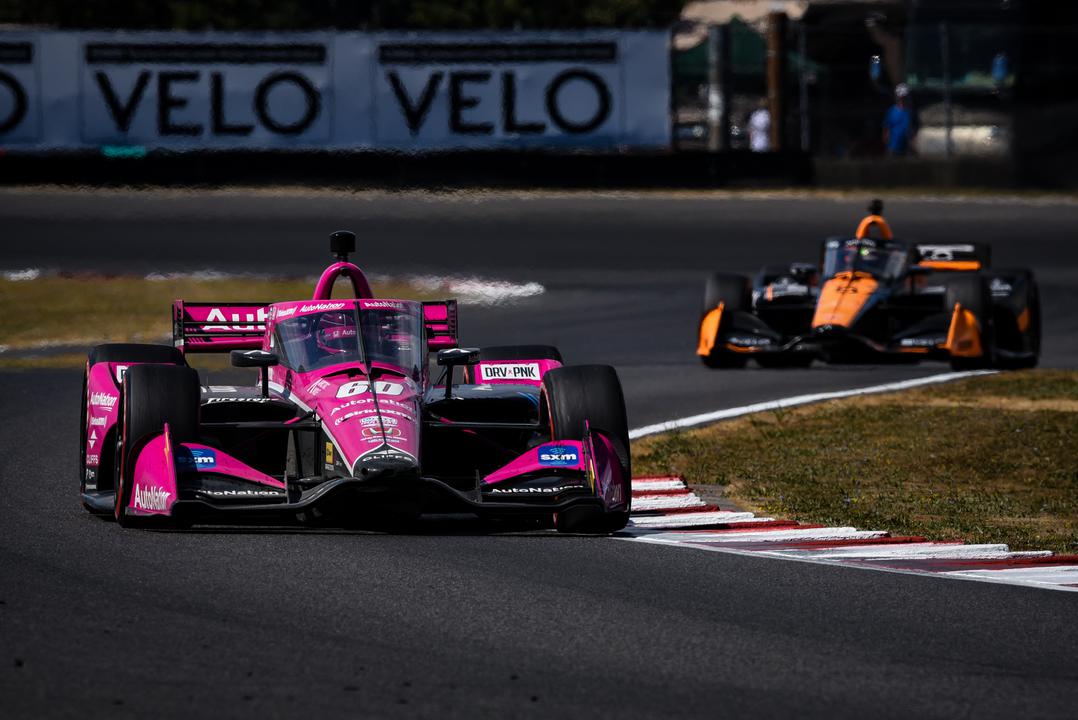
1033, 333
152, 396
134, 353
1009, 335
593, 393
972, 292
735, 292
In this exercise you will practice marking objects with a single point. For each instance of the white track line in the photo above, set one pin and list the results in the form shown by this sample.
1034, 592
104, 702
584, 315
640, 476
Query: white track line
690, 519
644, 503
912, 551
991, 576
773, 536
658, 484
704, 418
1043, 575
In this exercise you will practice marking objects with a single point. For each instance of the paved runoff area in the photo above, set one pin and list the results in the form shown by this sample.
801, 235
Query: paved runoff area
667, 512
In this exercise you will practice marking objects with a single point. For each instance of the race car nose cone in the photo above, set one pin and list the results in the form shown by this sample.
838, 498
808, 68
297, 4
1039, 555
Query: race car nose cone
830, 330
830, 334
385, 463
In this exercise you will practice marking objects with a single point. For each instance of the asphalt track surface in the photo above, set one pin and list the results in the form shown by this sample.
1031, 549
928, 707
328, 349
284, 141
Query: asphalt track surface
459, 621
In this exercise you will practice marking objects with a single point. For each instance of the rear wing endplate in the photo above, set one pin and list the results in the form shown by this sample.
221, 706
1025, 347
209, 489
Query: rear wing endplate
218, 327
440, 319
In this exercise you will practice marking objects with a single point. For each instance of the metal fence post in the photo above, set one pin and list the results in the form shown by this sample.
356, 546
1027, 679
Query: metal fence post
776, 76
802, 89
945, 55
718, 107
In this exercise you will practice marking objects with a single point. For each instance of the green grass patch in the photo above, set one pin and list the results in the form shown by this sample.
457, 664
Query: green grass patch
93, 310
991, 459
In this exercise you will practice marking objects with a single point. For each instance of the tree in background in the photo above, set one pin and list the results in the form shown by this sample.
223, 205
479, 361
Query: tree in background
347, 14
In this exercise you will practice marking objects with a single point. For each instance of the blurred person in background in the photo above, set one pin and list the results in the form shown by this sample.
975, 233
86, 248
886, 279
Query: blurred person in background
899, 124
760, 129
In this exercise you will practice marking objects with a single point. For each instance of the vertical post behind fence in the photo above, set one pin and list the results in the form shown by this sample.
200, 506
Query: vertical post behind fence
776, 72
948, 109
718, 88
802, 87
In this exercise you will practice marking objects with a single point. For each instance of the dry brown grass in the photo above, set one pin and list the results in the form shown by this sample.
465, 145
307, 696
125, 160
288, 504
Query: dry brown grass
990, 459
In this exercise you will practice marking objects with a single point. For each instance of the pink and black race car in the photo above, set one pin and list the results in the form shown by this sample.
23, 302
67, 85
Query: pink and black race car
346, 423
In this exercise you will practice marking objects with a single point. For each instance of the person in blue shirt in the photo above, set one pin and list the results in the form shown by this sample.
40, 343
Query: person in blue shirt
898, 124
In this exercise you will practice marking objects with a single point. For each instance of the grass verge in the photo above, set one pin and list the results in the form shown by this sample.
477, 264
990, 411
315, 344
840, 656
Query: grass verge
988, 459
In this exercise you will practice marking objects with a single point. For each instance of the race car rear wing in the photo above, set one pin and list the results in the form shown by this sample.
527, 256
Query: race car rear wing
952, 256
440, 318
218, 327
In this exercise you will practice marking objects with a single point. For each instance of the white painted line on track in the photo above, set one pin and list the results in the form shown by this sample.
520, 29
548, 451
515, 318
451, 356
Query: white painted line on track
984, 576
912, 551
658, 484
778, 535
1047, 574
710, 417
644, 503
690, 518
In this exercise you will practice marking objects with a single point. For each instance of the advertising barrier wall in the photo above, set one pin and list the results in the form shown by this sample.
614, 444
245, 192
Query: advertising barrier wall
595, 90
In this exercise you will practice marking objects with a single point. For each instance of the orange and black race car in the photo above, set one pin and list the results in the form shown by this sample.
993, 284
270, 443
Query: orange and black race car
870, 298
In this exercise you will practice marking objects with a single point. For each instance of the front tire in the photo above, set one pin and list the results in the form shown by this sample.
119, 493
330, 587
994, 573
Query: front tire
591, 393
734, 292
152, 396
133, 353
972, 292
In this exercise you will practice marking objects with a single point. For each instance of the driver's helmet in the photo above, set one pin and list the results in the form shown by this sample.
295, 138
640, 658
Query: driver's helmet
868, 254
389, 337
335, 332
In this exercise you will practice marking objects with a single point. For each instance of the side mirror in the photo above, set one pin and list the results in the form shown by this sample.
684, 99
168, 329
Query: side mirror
458, 356
253, 358
451, 357
256, 358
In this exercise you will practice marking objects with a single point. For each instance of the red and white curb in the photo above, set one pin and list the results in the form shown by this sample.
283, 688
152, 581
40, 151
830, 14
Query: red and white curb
667, 512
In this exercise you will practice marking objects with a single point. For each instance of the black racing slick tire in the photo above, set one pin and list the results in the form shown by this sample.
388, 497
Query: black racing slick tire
1018, 321
1033, 331
114, 353
152, 396
735, 293
972, 292
592, 393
